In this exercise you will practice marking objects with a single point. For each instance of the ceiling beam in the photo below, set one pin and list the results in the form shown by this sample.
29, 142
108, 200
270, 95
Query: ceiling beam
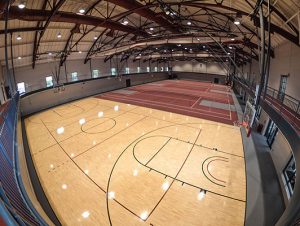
37, 40
147, 13
3, 5
19, 30
67, 17
75, 28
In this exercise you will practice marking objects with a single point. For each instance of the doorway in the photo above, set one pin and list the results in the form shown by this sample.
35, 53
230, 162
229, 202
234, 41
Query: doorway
282, 87
216, 80
271, 132
128, 83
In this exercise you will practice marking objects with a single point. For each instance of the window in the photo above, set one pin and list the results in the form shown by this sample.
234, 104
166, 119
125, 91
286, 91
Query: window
49, 81
271, 133
138, 70
95, 73
167, 69
282, 87
21, 87
148, 69
113, 71
127, 70
74, 76
161, 68
155, 69
289, 175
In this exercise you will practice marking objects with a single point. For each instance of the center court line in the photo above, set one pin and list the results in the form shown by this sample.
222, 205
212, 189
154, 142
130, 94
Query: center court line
158, 150
175, 178
123, 112
73, 160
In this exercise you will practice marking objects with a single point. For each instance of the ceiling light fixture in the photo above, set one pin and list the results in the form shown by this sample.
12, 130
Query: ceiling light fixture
151, 28
19, 58
21, 5
50, 54
189, 23
59, 35
95, 37
19, 37
125, 22
81, 11
237, 22
232, 39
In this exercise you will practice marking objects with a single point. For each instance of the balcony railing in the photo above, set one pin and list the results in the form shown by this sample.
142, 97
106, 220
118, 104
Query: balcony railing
15, 206
286, 105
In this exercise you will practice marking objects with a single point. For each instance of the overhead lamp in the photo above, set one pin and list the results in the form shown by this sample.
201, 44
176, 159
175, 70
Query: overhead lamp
228, 53
230, 47
125, 22
179, 45
237, 22
151, 28
19, 37
50, 54
59, 35
21, 5
189, 23
232, 39
80, 51
95, 37
19, 58
168, 12
81, 11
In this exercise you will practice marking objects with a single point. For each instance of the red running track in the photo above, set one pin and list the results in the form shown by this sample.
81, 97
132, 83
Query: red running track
179, 96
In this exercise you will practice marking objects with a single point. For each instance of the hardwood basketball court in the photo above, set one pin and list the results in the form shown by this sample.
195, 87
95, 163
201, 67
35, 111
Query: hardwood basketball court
103, 162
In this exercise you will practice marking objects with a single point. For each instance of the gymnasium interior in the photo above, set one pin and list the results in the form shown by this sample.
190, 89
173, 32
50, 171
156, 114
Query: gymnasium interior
149, 112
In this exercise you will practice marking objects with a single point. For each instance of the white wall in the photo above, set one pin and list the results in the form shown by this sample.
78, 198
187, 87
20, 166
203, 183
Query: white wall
35, 79
286, 61
281, 153
190, 66
51, 97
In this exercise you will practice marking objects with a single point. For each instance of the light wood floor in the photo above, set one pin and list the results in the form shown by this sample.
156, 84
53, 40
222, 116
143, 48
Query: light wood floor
107, 163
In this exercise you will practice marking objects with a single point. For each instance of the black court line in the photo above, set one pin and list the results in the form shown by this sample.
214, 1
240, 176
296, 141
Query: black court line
158, 150
81, 110
181, 181
186, 125
72, 159
203, 163
207, 168
43, 123
86, 110
119, 158
174, 177
109, 119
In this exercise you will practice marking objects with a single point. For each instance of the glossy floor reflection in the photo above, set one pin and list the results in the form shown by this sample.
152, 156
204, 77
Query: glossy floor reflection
107, 163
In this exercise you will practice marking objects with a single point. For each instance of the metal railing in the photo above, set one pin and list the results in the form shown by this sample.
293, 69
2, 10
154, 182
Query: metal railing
286, 105
15, 205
